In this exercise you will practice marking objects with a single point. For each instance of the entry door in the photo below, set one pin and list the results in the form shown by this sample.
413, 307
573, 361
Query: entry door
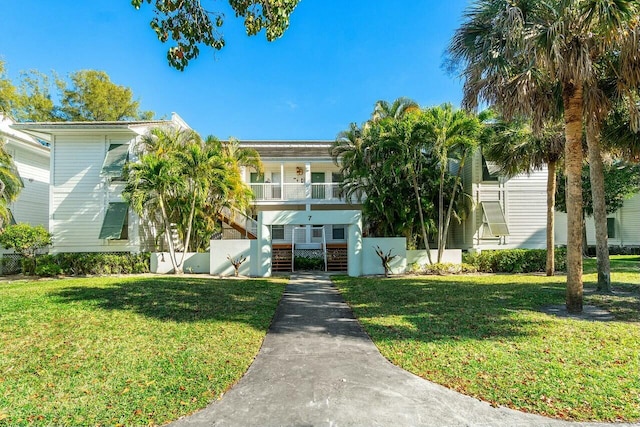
317, 191
275, 179
258, 190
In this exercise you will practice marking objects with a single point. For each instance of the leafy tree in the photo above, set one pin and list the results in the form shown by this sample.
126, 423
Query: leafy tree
10, 184
8, 93
517, 149
35, 102
26, 240
621, 181
93, 97
189, 24
503, 43
89, 95
618, 136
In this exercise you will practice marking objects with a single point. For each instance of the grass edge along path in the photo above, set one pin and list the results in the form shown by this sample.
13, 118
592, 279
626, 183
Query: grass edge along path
126, 351
484, 336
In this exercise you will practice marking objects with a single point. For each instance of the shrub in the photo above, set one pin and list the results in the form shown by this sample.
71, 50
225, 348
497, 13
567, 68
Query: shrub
48, 269
26, 240
448, 268
307, 263
515, 260
90, 263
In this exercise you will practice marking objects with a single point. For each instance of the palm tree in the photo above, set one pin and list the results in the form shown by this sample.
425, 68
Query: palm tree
504, 44
394, 110
449, 135
517, 149
10, 185
152, 182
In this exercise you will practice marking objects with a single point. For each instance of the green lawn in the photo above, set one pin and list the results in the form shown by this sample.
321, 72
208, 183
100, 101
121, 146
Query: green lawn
484, 336
126, 351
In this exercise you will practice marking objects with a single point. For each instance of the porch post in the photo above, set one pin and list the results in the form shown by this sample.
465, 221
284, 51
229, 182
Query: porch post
263, 248
354, 248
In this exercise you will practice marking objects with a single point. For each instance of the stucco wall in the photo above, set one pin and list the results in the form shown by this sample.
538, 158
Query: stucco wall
452, 256
220, 249
194, 262
371, 263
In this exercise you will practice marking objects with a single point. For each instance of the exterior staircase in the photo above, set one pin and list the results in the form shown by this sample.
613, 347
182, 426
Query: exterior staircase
248, 227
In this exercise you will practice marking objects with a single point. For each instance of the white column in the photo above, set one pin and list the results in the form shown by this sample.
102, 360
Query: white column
307, 180
282, 181
263, 248
354, 248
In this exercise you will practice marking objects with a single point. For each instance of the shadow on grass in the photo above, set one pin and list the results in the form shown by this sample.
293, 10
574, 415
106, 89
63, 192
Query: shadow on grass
182, 299
441, 309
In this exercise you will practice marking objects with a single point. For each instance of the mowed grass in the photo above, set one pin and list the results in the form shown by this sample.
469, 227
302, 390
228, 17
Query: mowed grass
485, 336
126, 351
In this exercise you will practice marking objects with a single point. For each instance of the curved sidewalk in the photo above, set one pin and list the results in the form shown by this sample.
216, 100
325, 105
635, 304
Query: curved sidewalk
317, 367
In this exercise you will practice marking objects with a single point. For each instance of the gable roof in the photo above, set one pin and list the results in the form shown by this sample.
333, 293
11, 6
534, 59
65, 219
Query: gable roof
290, 149
45, 130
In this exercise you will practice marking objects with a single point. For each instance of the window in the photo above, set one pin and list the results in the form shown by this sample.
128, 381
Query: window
277, 232
338, 232
494, 221
114, 161
12, 219
115, 225
611, 228
489, 170
317, 231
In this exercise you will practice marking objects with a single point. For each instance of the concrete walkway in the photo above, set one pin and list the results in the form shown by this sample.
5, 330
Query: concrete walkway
317, 367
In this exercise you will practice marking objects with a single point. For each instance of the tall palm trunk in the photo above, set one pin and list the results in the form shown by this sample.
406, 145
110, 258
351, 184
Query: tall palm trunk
573, 108
167, 231
447, 220
551, 216
596, 175
441, 214
420, 214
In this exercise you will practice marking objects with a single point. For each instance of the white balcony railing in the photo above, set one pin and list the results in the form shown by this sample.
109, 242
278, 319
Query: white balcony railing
276, 191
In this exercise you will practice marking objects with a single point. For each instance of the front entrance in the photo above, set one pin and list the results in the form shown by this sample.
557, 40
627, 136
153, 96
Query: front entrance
318, 190
273, 256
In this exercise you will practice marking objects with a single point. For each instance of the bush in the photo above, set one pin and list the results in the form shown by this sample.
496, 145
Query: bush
515, 260
448, 268
48, 269
95, 263
26, 240
306, 263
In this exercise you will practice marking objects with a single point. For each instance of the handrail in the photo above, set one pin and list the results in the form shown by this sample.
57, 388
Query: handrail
249, 224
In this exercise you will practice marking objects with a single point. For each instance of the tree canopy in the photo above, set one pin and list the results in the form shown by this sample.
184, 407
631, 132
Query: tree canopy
405, 153
180, 183
88, 95
621, 181
189, 25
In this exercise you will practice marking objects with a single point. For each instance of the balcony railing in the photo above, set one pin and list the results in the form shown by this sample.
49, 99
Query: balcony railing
276, 191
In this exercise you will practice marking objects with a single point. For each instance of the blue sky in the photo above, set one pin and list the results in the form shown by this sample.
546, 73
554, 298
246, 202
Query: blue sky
337, 58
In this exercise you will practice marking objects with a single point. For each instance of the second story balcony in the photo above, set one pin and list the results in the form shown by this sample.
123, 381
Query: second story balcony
297, 192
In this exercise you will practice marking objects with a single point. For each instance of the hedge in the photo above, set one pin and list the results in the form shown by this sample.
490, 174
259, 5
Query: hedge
93, 263
515, 260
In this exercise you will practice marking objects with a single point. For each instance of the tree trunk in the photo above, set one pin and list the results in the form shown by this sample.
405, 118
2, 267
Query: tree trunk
447, 220
167, 230
551, 211
424, 230
573, 107
441, 214
596, 175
